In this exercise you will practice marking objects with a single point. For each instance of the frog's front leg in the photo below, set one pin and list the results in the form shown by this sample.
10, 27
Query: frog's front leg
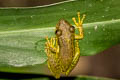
79, 26
52, 50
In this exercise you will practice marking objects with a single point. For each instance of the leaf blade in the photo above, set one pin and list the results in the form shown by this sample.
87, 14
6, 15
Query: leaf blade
23, 27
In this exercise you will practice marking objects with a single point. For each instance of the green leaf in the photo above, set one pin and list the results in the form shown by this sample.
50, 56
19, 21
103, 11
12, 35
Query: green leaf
21, 28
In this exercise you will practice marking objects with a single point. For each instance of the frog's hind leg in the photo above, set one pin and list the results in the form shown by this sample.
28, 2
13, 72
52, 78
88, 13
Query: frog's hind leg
53, 65
76, 57
55, 69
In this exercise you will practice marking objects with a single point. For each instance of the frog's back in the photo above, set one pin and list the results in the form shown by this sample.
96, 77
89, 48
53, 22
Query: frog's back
66, 44
66, 55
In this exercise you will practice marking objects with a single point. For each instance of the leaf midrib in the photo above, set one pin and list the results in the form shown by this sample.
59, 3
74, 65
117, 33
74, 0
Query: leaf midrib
48, 28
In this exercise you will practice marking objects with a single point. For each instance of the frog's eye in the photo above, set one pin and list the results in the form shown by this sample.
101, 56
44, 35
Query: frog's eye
58, 32
72, 29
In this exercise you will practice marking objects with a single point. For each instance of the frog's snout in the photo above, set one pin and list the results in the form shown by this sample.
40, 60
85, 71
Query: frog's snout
62, 21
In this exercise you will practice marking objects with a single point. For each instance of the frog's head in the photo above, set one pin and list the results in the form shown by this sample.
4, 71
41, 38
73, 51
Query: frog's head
63, 28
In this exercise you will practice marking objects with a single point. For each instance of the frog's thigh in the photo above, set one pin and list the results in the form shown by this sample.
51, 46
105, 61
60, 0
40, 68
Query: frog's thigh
55, 69
53, 65
75, 59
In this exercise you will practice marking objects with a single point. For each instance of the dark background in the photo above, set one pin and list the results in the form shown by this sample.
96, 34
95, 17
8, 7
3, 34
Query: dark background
26, 3
105, 64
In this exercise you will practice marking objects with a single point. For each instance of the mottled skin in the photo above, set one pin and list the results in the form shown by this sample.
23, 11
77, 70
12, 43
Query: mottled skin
66, 44
63, 51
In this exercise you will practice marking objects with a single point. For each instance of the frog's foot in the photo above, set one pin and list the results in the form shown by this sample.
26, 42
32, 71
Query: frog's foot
80, 21
51, 46
79, 26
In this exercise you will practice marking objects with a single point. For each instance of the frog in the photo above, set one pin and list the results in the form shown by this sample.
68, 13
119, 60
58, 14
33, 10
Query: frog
63, 50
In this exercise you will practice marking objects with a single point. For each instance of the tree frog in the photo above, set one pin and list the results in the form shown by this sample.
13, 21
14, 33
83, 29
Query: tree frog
63, 50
